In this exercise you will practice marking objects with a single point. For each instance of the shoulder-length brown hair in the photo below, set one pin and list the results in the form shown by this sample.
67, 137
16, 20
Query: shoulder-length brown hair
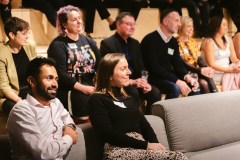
105, 70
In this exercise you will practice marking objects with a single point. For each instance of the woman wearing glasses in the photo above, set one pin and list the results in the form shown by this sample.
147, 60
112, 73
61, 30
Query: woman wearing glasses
14, 58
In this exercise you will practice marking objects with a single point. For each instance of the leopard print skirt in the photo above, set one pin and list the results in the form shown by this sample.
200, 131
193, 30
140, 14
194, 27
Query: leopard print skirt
118, 153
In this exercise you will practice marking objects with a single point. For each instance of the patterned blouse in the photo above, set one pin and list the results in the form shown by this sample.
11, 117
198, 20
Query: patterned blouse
189, 51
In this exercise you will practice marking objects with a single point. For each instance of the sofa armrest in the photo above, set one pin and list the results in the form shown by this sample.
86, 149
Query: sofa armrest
200, 122
78, 150
93, 144
159, 128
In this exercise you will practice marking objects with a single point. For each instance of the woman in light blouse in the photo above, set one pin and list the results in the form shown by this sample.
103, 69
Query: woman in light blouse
219, 52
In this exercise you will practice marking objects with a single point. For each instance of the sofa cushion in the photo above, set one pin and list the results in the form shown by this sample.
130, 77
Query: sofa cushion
93, 144
159, 129
224, 152
201, 122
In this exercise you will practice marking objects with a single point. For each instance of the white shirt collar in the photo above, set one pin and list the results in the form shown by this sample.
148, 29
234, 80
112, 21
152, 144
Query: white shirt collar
35, 103
165, 39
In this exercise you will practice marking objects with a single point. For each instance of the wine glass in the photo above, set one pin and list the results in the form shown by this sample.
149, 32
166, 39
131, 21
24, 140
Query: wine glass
144, 75
195, 76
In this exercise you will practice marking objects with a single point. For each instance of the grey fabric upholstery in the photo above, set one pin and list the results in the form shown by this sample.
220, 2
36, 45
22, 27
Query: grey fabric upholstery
225, 152
89, 145
202, 122
159, 128
93, 144
78, 149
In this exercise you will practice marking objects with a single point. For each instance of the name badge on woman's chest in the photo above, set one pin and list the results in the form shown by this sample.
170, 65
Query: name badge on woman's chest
119, 104
185, 50
72, 45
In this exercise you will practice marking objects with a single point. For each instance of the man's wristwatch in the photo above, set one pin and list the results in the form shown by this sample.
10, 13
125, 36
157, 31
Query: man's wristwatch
73, 126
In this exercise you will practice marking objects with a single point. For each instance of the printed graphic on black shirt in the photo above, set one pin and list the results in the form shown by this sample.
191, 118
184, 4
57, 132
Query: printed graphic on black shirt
81, 61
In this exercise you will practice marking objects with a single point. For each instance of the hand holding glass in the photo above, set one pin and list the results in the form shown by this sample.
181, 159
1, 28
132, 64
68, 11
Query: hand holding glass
195, 76
144, 75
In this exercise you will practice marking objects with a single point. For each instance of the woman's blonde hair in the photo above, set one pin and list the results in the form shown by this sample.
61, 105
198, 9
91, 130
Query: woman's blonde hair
105, 70
184, 22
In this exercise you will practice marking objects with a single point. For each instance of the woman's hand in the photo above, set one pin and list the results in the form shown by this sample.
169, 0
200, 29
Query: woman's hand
141, 83
234, 68
155, 147
147, 88
207, 72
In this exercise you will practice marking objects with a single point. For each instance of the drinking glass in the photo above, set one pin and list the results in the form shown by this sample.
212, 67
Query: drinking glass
195, 76
144, 75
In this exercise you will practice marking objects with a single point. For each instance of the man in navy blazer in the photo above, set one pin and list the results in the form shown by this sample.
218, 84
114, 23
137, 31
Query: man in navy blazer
122, 42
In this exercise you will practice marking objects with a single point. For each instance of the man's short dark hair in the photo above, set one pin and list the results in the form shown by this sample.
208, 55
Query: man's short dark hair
165, 12
14, 25
122, 15
34, 66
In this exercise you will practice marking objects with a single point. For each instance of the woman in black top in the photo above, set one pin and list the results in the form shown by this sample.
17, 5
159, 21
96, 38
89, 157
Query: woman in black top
77, 57
117, 119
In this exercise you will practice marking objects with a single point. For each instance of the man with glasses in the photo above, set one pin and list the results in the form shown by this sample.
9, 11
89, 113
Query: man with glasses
122, 42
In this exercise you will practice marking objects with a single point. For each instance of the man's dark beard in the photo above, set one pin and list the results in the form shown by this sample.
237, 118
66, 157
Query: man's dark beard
43, 93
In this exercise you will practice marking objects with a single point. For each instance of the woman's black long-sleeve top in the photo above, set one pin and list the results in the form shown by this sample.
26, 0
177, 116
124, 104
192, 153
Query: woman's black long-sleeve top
112, 119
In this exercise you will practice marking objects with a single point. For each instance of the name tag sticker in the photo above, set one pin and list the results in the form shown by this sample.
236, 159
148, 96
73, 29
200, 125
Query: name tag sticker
72, 45
185, 50
119, 104
170, 51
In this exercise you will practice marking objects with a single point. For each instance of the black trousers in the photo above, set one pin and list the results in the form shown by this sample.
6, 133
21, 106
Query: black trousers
193, 11
163, 4
48, 7
177, 5
133, 6
90, 6
5, 11
8, 104
233, 7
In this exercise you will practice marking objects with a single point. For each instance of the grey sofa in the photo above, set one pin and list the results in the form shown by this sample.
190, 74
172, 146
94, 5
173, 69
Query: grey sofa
204, 127
89, 146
